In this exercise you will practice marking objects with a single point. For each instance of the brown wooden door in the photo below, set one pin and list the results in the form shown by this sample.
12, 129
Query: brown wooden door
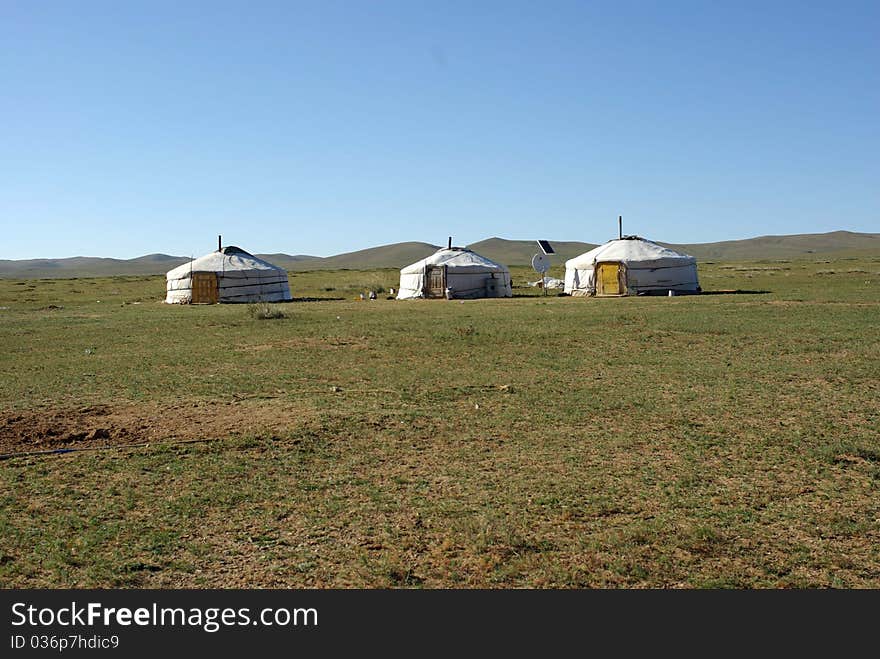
437, 281
205, 288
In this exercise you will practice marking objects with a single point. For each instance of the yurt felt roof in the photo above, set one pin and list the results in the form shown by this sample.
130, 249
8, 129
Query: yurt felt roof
631, 249
456, 258
228, 259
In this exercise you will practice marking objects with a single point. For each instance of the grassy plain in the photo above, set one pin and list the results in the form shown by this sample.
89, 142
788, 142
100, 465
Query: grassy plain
730, 439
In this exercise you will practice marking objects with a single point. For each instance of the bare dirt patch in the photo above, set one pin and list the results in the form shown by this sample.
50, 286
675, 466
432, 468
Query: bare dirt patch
121, 424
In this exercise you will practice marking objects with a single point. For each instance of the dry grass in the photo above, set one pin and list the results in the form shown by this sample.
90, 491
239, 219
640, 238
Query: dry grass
689, 442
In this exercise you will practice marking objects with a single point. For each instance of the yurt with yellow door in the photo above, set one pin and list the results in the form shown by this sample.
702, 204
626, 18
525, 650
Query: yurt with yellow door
631, 265
228, 275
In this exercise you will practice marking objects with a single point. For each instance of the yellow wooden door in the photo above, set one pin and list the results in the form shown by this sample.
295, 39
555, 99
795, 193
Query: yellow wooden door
205, 289
608, 279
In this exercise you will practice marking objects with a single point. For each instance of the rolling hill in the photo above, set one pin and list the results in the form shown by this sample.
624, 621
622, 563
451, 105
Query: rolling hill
85, 266
520, 252
512, 252
835, 243
396, 255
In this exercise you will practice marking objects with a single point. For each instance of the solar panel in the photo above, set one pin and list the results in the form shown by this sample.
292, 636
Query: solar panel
545, 247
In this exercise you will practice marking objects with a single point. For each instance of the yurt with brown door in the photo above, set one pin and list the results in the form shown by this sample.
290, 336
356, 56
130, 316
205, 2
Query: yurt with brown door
228, 275
454, 272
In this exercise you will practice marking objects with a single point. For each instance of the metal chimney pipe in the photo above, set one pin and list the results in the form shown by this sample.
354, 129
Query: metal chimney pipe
219, 243
620, 227
449, 245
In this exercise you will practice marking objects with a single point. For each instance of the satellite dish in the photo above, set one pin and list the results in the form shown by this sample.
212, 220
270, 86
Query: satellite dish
540, 263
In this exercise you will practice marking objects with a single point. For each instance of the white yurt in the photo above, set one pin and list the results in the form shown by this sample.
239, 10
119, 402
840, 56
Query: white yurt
631, 265
454, 272
228, 275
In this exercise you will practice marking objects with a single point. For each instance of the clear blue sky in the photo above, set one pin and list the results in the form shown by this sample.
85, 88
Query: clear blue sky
128, 128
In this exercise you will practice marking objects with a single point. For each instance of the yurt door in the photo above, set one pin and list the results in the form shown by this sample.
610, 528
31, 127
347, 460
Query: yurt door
609, 278
437, 281
205, 288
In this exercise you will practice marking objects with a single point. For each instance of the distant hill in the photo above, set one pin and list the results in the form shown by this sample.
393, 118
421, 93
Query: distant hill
161, 259
520, 252
288, 262
835, 243
86, 266
396, 255
511, 252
